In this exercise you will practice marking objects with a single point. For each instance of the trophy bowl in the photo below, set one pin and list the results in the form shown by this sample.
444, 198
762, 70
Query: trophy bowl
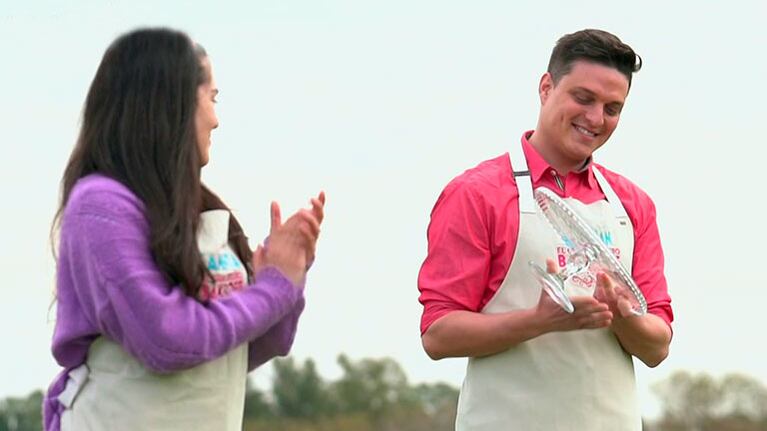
588, 253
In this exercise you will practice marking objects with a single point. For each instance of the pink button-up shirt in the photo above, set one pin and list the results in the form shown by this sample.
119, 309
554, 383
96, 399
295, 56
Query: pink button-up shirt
475, 224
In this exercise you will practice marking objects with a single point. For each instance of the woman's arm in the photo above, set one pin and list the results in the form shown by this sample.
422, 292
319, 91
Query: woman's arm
121, 290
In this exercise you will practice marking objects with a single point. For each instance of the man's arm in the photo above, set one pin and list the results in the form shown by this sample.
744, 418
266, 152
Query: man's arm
455, 275
466, 333
647, 337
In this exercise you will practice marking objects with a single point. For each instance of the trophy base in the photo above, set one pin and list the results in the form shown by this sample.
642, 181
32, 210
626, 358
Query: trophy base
553, 287
589, 251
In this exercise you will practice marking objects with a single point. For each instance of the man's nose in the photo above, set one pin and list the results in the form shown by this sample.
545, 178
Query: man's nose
595, 115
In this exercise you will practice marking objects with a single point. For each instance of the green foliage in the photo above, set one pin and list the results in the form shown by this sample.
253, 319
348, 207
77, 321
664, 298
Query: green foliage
370, 385
371, 395
353, 422
22, 414
374, 395
256, 404
702, 403
435, 398
299, 391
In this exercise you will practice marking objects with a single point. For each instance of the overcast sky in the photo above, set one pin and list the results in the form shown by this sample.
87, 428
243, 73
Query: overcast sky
380, 104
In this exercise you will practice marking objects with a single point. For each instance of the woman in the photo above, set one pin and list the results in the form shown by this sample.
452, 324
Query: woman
162, 309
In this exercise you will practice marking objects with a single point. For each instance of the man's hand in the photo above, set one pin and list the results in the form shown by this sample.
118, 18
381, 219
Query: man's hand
647, 337
607, 291
464, 333
589, 312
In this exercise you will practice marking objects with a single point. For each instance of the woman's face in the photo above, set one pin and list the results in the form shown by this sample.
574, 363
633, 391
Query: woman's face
205, 117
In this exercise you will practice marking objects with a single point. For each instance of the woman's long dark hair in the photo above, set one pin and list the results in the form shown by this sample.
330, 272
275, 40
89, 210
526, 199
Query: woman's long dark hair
138, 128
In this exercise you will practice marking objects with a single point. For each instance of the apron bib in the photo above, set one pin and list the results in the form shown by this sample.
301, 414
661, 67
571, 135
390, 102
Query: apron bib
560, 381
113, 391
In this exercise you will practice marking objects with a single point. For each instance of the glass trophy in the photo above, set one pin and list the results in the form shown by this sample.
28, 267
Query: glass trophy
589, 253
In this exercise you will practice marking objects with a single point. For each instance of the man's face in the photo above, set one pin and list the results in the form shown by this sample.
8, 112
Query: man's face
581, 111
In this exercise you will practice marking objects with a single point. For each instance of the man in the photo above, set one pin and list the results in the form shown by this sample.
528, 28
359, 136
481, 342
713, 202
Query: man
532, 365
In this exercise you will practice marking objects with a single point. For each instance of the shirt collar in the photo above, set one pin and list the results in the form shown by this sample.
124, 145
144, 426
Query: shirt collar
539, 166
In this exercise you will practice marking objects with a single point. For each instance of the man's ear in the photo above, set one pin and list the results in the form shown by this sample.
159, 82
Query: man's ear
545, 87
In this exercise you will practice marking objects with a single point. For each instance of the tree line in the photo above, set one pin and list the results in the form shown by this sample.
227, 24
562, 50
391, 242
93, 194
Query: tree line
375, 395
700, 402
370, 395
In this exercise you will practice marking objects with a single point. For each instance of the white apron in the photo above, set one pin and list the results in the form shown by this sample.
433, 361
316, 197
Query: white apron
576, 380
113, 391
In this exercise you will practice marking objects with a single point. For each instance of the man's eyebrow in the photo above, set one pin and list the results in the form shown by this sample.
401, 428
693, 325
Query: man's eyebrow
583, 89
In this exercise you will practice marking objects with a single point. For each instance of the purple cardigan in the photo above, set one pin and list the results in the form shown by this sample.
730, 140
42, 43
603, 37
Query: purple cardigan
108, 284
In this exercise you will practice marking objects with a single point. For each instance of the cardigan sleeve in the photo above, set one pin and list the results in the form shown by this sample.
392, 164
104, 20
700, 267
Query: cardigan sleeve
124, 294
277, 341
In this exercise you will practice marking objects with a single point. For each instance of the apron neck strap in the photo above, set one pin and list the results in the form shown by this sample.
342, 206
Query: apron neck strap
524, 181
523, 178
615, 203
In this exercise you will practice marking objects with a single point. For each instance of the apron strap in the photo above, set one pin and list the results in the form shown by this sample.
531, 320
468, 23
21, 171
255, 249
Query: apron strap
75, 381
524, 182
523, 179
615, 203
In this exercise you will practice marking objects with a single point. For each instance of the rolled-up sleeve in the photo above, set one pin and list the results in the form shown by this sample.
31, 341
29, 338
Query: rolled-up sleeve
455, 272
648, 263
